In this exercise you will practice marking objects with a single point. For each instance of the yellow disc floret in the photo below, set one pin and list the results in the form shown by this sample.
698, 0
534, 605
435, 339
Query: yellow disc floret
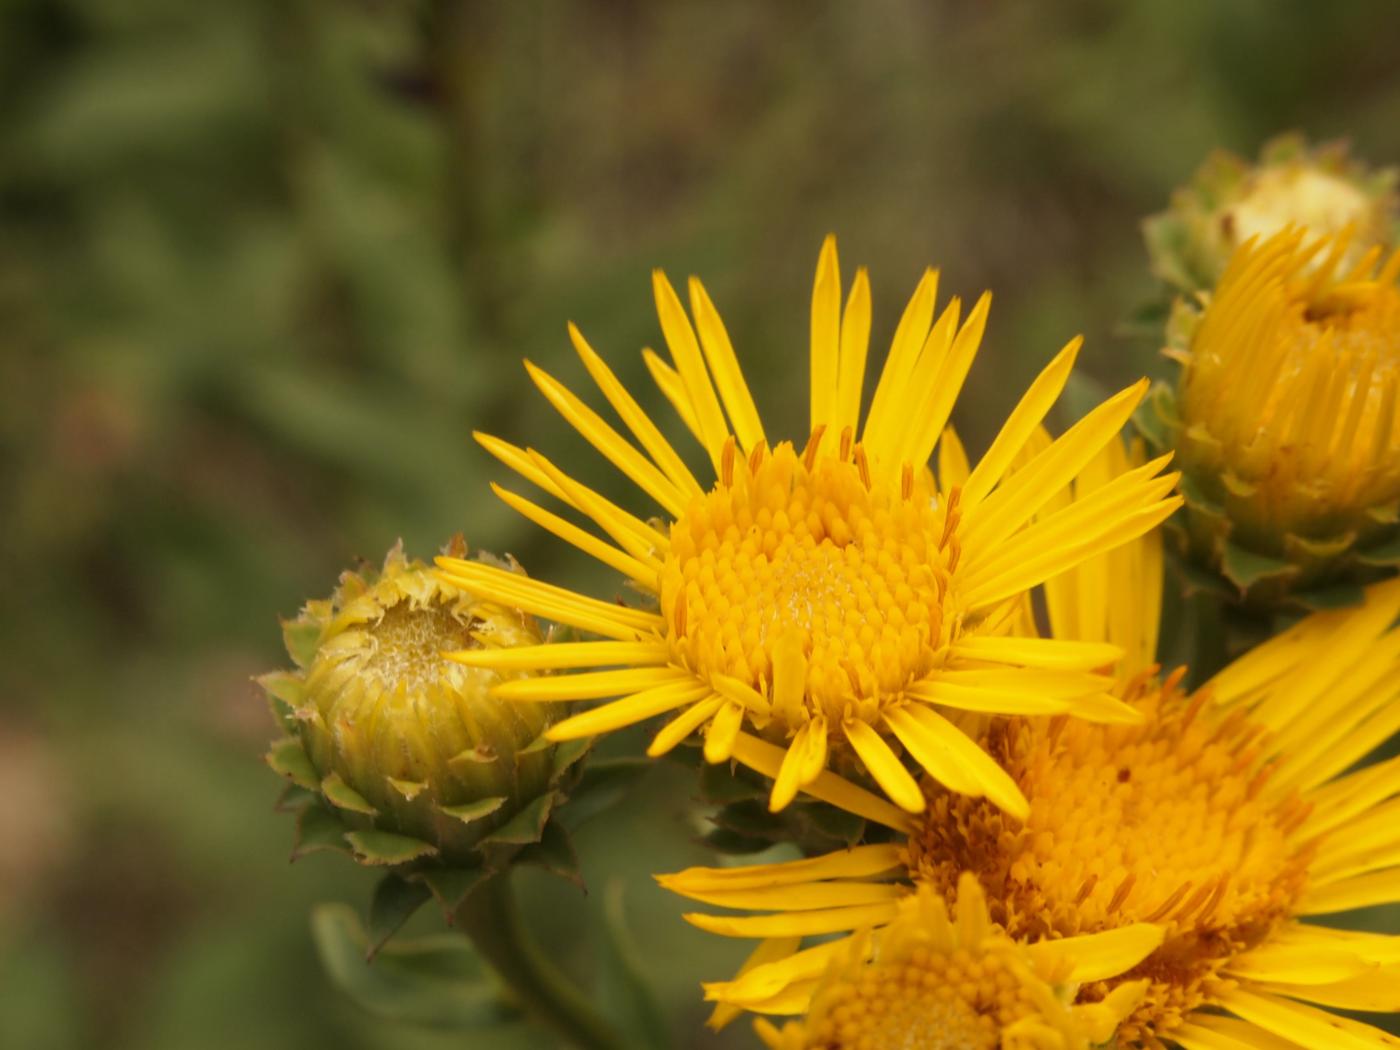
803, 580
941, 982
1167, 822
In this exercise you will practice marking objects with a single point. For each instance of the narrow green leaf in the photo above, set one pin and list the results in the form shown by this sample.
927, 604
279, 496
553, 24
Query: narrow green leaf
384, 847
833, 822
435, 981
450, 885
602, 785
554, 852
394, 902
627, 996
731, 843
723, 782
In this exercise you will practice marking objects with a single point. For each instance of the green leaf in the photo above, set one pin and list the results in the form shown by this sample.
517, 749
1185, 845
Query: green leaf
1244, 568
288, 758
627, 996
526, 826
452, 885
602, 785
394, 902
384, 847
554, 852
343, 796
751, 817
566, 754
318, 829
833, 822
435, 981
722, 840
472, 811
722, 783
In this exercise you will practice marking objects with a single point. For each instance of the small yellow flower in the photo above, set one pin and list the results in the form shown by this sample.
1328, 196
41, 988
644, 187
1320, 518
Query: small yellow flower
1321, 189
932, 981
829, 603
409, 752
1285, 420
1234, 820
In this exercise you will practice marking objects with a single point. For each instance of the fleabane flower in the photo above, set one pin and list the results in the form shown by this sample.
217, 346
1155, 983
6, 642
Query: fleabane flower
1234, 820
828, 602
935, 981
1285, 417
1322, 189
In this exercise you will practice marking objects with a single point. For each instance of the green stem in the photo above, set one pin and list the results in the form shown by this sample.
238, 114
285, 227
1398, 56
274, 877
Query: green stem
491, 917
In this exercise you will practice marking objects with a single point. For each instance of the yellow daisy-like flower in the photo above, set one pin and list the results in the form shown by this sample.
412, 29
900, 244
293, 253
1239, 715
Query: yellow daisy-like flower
940, 982
1233, 818
834, 598
1286, 411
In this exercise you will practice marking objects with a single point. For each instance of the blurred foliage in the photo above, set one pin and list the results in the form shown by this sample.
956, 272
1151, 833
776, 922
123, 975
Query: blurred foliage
263, 266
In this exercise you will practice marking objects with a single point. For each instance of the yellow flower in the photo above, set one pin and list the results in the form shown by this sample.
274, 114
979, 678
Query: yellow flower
941, 982
824, 604
1287, 429
1234, 819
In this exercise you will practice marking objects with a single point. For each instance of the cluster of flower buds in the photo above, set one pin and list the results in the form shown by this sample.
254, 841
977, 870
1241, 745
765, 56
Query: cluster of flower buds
1284, 415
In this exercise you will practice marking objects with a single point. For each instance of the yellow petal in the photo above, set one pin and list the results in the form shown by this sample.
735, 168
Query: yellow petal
884, 766
628, 710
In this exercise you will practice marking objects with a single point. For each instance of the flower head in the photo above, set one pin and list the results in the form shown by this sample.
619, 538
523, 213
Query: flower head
1297, 481
829, 602
1232, 820
1321, 189
405, 754
935, 981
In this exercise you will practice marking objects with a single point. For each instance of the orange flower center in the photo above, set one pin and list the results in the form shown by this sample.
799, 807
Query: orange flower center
1171, 822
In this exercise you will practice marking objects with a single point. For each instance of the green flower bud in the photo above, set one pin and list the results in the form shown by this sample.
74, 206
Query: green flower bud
405, 754
1322, 190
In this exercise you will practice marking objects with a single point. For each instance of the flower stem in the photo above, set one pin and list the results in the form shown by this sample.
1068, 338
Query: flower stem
491, 917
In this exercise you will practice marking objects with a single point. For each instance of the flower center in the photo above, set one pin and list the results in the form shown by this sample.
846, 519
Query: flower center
406, 645
806, 554
927, 1001
1169, 822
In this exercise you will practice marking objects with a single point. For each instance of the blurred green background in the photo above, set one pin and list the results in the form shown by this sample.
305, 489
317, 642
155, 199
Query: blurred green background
265, 264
